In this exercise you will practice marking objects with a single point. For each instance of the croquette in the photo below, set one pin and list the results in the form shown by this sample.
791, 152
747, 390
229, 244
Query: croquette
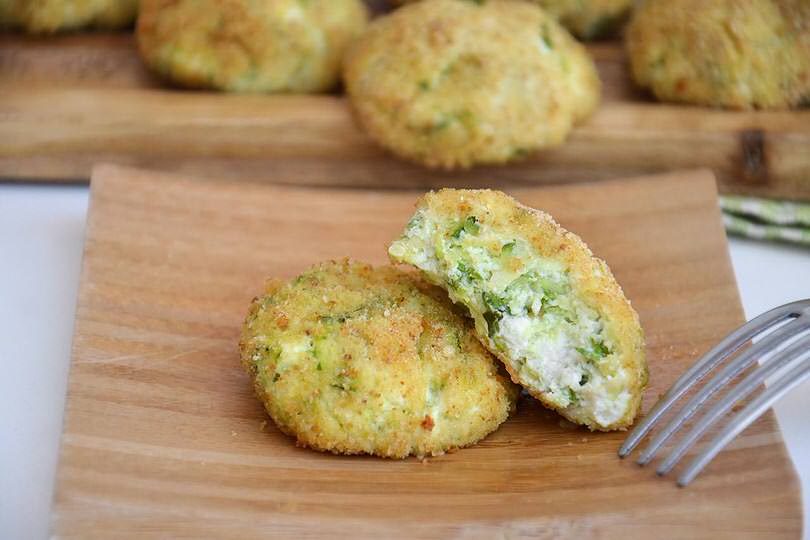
249, 46
349, 358
49, 16
722, 53
586, 19
550, 310
452, 83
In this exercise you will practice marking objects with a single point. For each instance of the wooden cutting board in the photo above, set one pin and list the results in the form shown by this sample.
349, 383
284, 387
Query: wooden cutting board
69, 102
164, 438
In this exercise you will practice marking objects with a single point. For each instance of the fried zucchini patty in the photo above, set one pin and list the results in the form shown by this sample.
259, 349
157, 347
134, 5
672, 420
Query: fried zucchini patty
352, 359
249, 46
48, 16
542, 303
723, 53
452, 83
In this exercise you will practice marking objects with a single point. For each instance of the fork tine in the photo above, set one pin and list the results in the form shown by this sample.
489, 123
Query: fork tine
745, 418
708, 362
790, 357
762, 349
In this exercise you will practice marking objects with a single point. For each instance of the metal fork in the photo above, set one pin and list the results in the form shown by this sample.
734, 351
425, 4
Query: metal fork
793, 361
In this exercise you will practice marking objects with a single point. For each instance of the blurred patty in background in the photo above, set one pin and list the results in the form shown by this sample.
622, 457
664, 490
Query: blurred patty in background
48, 16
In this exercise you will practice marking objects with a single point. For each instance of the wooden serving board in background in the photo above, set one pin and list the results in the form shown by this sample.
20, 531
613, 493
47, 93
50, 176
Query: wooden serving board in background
163, 435
67, 103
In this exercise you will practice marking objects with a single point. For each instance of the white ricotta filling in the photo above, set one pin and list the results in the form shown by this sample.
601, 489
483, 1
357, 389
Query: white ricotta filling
549, 356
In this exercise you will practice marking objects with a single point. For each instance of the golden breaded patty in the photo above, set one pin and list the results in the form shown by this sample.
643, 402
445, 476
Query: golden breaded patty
586, 19
249, 46
451, 83
549, 309
725, 53
354, 359
47, 16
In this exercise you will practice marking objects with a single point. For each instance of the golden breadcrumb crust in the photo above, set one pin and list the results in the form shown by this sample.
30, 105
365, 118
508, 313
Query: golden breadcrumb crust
352, 359
723, 53
452, 83
244, 46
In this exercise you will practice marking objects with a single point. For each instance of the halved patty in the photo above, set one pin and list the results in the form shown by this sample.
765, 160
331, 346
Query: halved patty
549, 309
351, 359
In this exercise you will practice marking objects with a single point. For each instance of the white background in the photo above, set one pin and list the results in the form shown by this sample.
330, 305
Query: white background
41, 229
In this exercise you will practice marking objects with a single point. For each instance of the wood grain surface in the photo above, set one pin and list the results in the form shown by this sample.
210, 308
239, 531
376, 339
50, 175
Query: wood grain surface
164, 438
72, 101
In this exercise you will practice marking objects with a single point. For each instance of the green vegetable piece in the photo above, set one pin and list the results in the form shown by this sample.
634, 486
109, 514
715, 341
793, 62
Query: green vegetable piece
415, 221
493, 320
545, 35
469, 226
597, 351
467, 273
507, 248
495, 302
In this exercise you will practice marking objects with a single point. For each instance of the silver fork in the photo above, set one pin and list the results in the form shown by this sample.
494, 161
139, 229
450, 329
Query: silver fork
793, 361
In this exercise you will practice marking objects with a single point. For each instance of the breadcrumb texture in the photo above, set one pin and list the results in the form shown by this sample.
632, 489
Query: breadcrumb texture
246, 46
542, 303
353, 359
49, 16
724, 53
586, 19
452, 83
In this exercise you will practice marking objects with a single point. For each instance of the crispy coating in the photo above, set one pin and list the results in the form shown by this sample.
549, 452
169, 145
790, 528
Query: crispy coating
48, 16
586, 19
249, 46
542, 302
353, 359
451, 83
724, 53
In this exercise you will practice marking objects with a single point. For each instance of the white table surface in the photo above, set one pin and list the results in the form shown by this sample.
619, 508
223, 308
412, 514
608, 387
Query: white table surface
41, 229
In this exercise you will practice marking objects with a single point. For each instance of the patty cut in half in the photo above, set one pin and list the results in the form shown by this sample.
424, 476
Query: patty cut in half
354, 359
549, 309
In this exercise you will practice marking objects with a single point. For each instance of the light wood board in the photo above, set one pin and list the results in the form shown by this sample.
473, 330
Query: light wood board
163, 435
67, 103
